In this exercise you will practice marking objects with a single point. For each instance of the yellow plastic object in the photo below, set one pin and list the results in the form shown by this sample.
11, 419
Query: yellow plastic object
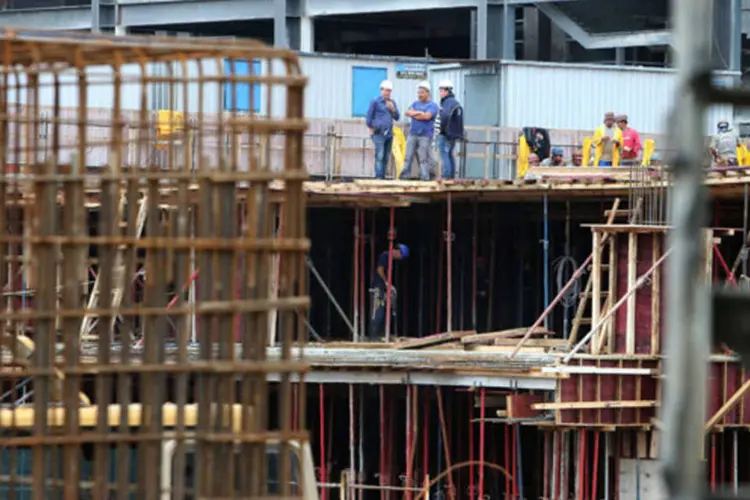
648, 150
586, 153
168, 122
598, 134
522, 158
743, 156
399, 150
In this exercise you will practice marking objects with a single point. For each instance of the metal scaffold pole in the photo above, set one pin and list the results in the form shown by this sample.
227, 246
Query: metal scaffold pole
688, 309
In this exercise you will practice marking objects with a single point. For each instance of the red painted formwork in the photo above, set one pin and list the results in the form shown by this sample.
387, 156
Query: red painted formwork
724, 379
609, 388
643, 297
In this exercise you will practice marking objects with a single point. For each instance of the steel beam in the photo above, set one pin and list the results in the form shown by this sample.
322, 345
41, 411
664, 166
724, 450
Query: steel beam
421, 378
608, 41
342, 7
140, 13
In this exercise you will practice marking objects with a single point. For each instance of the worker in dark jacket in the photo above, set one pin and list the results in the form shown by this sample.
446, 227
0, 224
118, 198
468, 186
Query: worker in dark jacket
380, 117
379, 289
451, 128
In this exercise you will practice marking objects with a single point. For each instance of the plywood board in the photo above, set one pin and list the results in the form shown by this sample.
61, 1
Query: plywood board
431, 340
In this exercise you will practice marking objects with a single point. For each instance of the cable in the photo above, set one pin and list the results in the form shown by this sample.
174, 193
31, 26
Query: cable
564, 267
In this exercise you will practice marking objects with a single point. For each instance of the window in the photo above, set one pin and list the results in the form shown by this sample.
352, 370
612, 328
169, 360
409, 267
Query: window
365, 86
242, 102
272, 466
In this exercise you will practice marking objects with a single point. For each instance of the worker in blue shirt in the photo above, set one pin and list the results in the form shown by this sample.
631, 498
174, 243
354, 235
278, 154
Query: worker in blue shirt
379, 289
380, 117
422, 112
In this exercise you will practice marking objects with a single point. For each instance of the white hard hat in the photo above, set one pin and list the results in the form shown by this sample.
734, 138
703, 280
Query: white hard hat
446, 84
386, 84
424, 84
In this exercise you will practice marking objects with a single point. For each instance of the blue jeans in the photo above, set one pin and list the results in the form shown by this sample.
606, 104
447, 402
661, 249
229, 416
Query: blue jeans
605, 163
383, 146
445, 147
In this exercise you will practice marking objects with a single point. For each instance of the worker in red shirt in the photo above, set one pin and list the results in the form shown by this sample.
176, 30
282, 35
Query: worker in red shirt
631, 142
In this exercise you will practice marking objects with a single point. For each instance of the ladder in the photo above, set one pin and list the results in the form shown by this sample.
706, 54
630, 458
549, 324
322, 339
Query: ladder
118, 286
606, 270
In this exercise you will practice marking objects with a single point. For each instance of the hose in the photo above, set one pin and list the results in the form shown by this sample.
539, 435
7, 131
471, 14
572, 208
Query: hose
564, 267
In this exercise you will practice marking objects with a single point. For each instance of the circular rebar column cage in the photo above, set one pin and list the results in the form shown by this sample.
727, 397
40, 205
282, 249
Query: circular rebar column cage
152, 297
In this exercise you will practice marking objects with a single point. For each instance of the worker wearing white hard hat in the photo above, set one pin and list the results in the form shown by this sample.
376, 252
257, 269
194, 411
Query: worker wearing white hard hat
422, 112
451, 128
381, 114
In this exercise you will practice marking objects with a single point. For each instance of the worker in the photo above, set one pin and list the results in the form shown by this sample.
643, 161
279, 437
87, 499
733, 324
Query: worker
607, 142
533, 160
655, 160
451, 128
381, 114
631, 142
555, 159
577, 159
422, 113
724, 145
379, 287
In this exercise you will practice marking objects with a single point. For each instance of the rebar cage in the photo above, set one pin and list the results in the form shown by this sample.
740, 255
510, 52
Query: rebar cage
154, 246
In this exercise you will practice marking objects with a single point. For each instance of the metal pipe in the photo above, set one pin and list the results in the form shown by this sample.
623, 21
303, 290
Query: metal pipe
744, 231
581, 482
475, 243
355, 288
470, 408
352, 464
545, 245
382, 441
481, 442
507, 464
409, 440
724, 266
713, 463
612, 310
323, 474
333, 300
595, 468
359, 436
735, 465
446, 447
519, 461
607, 444
449, 262
391, 237
688, 310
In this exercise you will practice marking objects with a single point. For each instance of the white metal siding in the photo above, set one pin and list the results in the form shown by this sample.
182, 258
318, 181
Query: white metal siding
456, 74
574, 97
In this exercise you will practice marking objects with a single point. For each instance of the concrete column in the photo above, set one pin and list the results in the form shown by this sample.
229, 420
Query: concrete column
735, 52
620, 56
538, 34
301, 33
279, 24
495, 31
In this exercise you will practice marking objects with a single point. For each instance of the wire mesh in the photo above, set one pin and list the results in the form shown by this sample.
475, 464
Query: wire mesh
108, 216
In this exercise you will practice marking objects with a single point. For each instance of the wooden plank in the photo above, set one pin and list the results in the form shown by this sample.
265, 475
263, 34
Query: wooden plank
596, 278
612, 290
593, 405
490, 337
509, 348
653, 453
431, 340
632, 277
520, 405
728, 406
656, 298
641, 444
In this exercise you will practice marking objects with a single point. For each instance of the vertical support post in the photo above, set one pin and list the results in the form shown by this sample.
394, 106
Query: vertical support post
482, 404
352, 464
391, 237
656, 297
481, 30
688, 306
632, 276
474, 242
383, 437
612, 274
279, 24
356, 279
323, 474
449, 263
596, 277
545, 243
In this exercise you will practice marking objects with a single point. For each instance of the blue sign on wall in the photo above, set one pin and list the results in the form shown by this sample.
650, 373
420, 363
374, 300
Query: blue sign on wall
242, 92
365, 87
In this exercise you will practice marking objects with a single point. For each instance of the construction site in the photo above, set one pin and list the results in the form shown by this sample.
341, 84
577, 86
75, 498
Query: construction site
187, 297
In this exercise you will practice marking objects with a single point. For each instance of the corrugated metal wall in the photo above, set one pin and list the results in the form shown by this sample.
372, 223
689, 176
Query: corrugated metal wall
574, 97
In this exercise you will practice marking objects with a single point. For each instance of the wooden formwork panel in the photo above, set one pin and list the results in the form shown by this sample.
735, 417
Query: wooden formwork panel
647, 326
725, 378
609, 399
